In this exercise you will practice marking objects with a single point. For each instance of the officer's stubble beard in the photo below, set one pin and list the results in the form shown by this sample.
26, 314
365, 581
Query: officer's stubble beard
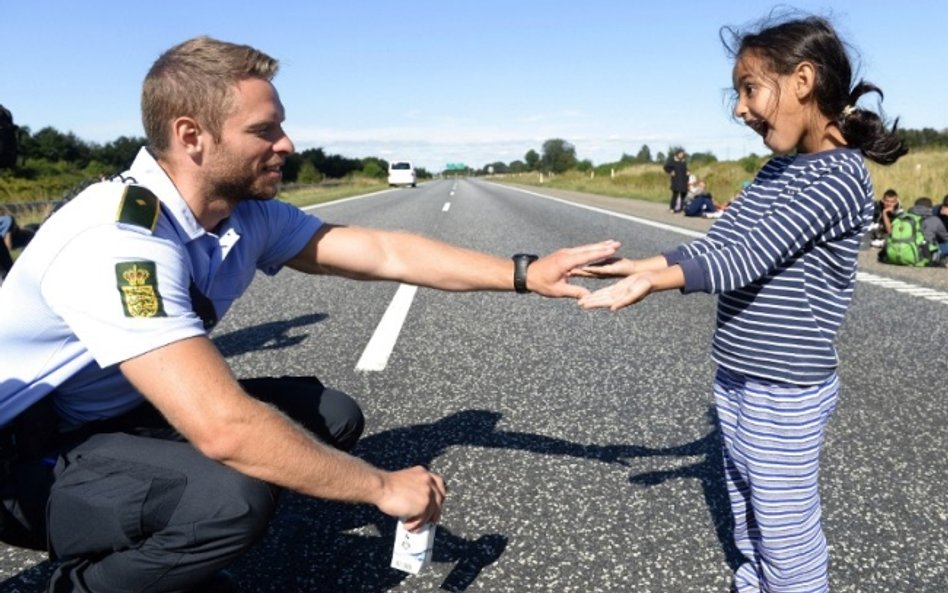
236, 182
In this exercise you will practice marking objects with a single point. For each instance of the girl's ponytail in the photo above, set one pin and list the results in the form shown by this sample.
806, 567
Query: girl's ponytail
866, 130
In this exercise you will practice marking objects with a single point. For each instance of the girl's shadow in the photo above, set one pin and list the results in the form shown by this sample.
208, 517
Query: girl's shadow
710, 472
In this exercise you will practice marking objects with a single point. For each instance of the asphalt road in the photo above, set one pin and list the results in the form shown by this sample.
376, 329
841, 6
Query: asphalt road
580, 448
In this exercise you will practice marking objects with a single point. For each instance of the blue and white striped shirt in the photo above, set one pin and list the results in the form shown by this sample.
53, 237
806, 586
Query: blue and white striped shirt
783, 260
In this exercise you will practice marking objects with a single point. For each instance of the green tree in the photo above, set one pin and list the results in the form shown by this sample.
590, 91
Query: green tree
702, 158
374, 167
497, 167
558, 156
118, 154
532, 158
308, 173
52, 145
644, 155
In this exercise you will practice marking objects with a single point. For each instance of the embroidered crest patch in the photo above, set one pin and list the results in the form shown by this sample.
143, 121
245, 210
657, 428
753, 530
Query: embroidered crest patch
138, 285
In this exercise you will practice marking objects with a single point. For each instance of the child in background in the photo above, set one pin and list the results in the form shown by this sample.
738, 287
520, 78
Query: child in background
783, 260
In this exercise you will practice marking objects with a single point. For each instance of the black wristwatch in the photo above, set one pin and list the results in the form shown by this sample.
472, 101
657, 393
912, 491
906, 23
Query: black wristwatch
521, 261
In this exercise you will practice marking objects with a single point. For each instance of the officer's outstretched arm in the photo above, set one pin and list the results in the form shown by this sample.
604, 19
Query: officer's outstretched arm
364, 253
191, 384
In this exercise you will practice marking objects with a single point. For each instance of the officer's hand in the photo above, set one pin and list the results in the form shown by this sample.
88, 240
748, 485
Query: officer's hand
549, 275
414, 495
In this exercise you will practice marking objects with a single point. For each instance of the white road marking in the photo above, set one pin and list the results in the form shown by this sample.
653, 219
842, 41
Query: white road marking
379, 349
344, 200
380, 346
903, 287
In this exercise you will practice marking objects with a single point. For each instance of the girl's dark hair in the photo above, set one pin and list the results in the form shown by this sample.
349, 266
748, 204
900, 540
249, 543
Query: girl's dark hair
812, 39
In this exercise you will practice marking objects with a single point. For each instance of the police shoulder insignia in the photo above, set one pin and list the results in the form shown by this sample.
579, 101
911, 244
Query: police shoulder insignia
138, 207
138, 285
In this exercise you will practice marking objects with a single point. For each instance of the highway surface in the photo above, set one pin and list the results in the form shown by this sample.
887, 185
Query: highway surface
580, 448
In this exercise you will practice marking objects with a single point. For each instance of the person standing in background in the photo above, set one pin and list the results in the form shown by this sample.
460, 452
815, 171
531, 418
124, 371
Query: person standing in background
677, 168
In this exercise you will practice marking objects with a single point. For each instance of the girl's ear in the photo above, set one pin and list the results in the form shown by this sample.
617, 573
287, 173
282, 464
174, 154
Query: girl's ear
804, 80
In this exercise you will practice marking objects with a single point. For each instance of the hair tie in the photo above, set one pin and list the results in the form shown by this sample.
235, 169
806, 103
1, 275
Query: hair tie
848, 110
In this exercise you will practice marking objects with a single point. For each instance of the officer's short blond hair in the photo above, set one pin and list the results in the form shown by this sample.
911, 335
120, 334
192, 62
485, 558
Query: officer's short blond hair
197, 79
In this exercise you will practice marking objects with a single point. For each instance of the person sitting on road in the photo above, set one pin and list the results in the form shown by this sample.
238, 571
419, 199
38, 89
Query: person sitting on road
918, 238
933, 228
702, 204
941, 211
884, 212
108, 372
12, 236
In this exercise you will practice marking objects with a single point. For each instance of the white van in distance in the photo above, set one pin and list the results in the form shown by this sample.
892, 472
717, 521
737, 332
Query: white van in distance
401, 173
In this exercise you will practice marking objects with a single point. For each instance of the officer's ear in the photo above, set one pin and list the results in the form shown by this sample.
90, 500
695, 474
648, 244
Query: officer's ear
186, 132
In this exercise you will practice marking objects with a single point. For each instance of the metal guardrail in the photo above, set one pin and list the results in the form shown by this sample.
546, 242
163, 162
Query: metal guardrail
34, 206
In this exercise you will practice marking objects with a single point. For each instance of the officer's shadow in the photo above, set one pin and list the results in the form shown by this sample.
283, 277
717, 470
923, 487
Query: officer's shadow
319, 546
265, 336
348, 548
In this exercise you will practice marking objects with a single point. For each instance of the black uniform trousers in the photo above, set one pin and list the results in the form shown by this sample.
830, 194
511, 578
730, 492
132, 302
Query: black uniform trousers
134, 508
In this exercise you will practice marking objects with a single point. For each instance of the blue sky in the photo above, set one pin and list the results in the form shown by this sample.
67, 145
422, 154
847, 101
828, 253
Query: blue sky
461, 81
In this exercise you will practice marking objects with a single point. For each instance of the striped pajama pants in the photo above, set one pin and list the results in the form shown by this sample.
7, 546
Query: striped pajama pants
772, 435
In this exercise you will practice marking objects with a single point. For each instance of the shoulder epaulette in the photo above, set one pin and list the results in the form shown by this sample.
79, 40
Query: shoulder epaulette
138, 207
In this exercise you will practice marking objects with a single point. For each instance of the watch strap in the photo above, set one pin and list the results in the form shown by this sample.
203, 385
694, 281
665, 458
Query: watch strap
521, 262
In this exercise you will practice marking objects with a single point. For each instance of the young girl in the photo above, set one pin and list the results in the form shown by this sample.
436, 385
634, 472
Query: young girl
783, 260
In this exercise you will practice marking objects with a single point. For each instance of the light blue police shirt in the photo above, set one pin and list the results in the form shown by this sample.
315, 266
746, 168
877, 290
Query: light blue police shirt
66, 322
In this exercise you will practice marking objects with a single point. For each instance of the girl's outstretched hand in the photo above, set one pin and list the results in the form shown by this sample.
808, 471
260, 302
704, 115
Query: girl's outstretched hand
627, 291
609, 267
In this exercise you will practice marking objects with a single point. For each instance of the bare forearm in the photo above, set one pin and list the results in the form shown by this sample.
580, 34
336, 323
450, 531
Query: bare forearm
649, 264
371, 254
414, 259
265, 444
666, 278
422, 261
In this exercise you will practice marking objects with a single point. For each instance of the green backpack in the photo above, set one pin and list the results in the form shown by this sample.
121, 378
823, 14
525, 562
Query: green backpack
906, 245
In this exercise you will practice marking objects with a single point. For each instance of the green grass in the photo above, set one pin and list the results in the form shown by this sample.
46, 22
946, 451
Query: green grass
923, 173
300, 196
307, 196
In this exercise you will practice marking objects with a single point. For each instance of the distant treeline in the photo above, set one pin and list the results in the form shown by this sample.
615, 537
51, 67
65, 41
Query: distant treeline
50, 162
50, 146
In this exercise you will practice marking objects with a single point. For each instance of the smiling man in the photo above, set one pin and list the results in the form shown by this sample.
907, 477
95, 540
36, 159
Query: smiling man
160, 468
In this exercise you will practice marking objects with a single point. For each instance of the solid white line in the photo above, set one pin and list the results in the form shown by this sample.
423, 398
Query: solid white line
897, 285
447, 206
380, 346
350, 199
645, 221
904, 287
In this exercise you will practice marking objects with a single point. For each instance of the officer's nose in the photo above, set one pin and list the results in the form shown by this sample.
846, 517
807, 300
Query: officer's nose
284, 145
